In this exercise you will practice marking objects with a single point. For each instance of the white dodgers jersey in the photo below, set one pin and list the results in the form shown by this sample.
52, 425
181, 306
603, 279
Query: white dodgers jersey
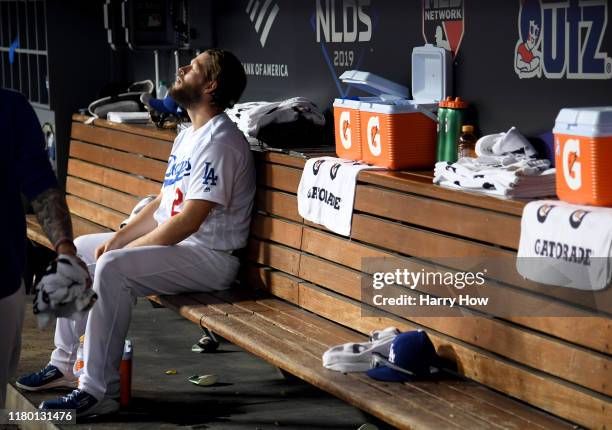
212, 163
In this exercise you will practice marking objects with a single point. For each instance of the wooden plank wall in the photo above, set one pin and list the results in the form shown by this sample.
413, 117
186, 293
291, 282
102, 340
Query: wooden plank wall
111, 168
561, 365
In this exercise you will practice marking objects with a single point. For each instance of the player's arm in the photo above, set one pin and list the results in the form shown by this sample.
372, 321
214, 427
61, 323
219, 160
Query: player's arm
53, 215
140, 225
36, 178
179, 227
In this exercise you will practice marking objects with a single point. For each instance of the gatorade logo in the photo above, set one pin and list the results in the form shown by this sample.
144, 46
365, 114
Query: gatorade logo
374, 136
572, 167
345, 130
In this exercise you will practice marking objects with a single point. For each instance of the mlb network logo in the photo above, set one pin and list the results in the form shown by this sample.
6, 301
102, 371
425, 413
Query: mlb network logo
257, 16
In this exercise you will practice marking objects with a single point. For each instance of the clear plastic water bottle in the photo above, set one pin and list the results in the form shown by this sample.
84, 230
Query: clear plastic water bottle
79, 363
162, 90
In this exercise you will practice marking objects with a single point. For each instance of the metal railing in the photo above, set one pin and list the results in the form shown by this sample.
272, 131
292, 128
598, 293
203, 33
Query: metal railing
23, 49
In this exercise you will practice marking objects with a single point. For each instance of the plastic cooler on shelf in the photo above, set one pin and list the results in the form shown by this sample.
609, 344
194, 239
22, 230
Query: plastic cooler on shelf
395, 132
346, 111
583, 155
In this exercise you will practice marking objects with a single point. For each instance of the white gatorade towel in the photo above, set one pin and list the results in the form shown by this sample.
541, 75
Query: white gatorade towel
566, 245
327, 191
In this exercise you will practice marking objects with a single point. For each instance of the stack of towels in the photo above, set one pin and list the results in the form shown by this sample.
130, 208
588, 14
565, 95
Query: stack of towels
506, 166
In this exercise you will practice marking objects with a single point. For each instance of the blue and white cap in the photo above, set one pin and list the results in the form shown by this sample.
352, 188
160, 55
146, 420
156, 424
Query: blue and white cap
411, 357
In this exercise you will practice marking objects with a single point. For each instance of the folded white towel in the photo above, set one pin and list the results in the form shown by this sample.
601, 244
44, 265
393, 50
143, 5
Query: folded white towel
327, 192
489, 175
566, 245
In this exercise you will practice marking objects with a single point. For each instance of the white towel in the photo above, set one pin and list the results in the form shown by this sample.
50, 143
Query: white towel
507, 177
566, 245
327, 192
501, 144
357, 357
253, 116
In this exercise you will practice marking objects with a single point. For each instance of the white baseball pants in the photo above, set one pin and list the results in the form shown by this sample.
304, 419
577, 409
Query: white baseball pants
11, 320
119, 276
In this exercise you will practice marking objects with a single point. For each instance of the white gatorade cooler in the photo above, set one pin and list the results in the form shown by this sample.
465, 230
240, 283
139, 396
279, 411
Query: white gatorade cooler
583, 155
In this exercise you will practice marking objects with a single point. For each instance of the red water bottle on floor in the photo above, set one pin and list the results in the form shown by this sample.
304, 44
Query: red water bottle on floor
125, 374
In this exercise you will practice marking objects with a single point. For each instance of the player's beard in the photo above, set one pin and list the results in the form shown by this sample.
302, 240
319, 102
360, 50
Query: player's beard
185, 95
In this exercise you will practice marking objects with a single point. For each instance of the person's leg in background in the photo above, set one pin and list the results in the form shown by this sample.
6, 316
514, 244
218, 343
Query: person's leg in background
69, 331
11, 321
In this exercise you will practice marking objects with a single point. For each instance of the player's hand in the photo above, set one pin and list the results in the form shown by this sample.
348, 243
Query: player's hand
113, 243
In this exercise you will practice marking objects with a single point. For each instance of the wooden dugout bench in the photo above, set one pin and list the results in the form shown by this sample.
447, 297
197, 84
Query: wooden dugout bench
301, 289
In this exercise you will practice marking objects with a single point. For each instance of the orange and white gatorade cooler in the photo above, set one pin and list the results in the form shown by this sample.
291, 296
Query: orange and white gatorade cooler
346, 124
398, 133
583, 155
346, 111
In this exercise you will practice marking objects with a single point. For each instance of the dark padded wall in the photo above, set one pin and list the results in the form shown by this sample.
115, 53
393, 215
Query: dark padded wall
484, 71
484, 67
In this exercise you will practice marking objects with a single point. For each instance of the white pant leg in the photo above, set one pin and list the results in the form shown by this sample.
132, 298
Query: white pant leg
11, 321
120, 276
68, 331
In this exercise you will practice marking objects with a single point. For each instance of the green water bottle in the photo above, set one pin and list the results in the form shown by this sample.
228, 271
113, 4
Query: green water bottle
441, 142
455, 118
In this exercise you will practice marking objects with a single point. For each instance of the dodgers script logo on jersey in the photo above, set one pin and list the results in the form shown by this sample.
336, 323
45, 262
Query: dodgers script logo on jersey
176, 170
562, 40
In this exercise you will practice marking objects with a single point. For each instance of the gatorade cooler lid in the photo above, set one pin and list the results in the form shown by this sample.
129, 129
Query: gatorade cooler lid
375, 85
588, 121
431, 73
353, 103
400, 107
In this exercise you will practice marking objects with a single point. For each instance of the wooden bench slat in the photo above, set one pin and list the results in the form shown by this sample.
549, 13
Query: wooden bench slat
283, 349
110, 178
277, 230
276, 256
143, 130
101, 195
284, 286
279, 177
589, 331
515, 417
461, 254
278, 203
147, 146
410, 183
99, 214
553, 395
123, 161
580, 366
413, 401
476, 224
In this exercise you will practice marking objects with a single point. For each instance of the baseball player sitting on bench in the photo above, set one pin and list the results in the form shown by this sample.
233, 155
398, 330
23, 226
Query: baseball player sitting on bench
180, 242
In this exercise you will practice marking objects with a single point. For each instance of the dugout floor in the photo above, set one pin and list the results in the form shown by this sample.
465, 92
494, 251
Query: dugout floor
251, 394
